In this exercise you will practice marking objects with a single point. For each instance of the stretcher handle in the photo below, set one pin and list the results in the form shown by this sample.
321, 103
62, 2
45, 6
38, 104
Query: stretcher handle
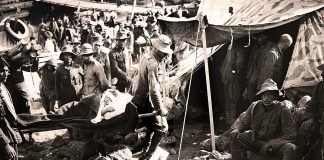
145, 115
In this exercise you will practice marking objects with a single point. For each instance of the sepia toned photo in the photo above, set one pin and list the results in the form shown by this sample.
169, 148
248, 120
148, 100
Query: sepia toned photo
161, 79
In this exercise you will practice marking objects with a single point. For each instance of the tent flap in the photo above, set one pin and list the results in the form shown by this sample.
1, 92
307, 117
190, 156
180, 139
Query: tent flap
308, 53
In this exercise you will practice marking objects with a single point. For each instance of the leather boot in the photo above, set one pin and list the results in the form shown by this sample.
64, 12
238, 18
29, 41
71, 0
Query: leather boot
156, 139
147, 141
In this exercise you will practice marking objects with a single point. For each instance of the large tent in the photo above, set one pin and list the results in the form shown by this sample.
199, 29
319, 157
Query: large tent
256, 16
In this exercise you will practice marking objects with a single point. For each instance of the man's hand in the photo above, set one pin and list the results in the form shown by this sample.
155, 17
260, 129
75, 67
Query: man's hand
266, 149
162, 112
10, 152
233, 134
129, 80
307, 125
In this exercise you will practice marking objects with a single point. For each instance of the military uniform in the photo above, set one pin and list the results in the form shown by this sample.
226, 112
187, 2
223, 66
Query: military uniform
119, 68
261, 125
103, 59
47, 89
68, 83
94, 79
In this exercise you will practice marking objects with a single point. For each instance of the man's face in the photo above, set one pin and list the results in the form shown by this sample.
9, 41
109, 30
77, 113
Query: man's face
268, 97
4, 73
87, 58
51, 68
67, 59
121, 43
261, 39
96, 47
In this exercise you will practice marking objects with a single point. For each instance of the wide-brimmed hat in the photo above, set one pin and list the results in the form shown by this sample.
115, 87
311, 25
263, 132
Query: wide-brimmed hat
86, 49
269, 85
67, 49
320, 67
48, 34
122, 34
53, 62
162, 43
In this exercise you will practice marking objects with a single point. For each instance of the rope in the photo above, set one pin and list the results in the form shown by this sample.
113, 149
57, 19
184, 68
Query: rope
248, 45
232, 39
189, 89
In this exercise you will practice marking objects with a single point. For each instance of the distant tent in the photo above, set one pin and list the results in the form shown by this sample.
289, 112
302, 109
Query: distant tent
256, 16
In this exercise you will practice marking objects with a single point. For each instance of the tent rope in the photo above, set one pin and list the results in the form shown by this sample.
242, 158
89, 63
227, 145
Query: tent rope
232, 39
249, 43
189, 90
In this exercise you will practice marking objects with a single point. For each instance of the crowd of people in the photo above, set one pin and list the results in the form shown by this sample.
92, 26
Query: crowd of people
98, 52
95, 54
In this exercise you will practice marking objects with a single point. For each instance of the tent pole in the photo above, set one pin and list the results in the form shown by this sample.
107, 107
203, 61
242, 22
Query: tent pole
134, 4
210, 105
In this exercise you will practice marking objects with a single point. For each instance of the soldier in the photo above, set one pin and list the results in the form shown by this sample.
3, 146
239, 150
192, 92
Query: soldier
68, 78
102, 56
47, 87
267, 128
95, 80
118, 57
147, 94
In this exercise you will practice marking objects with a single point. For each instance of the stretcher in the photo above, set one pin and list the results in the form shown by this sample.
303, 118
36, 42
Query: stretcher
121, 124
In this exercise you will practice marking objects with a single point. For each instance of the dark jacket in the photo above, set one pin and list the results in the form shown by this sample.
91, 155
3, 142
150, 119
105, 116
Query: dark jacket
148, 83
273, 124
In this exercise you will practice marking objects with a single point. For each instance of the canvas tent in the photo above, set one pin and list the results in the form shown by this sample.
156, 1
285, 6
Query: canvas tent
256, 16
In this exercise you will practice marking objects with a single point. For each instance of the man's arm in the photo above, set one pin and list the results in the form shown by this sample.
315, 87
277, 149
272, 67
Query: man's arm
245, 122
120, 74
100, 73
3, 139
107, 68
58, 84
154, 86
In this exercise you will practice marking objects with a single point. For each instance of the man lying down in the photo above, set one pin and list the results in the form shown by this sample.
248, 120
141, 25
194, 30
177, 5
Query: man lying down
96, 107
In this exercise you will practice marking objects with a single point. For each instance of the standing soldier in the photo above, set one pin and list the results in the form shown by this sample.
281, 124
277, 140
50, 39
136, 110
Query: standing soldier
102, 56
68, 78
47, 87
147, 94
118, 63
95, 80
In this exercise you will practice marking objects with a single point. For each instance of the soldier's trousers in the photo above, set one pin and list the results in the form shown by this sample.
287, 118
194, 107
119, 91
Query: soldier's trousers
244, 142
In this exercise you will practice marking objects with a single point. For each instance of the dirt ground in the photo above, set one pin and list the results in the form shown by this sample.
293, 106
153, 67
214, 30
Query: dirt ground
42, 147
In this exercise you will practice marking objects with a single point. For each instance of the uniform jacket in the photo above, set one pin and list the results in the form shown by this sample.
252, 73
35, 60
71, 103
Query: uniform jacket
118, 64
94, 78
317, 102
68, 82
148, 83
274, 124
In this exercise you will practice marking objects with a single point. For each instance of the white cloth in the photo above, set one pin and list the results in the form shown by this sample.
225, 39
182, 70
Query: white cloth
5, 96
49, 45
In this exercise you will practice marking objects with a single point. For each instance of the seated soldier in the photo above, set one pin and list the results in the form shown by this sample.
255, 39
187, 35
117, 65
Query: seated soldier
266, 129
305, 127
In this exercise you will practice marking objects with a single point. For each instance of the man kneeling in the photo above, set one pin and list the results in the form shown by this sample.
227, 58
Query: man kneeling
267, 128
